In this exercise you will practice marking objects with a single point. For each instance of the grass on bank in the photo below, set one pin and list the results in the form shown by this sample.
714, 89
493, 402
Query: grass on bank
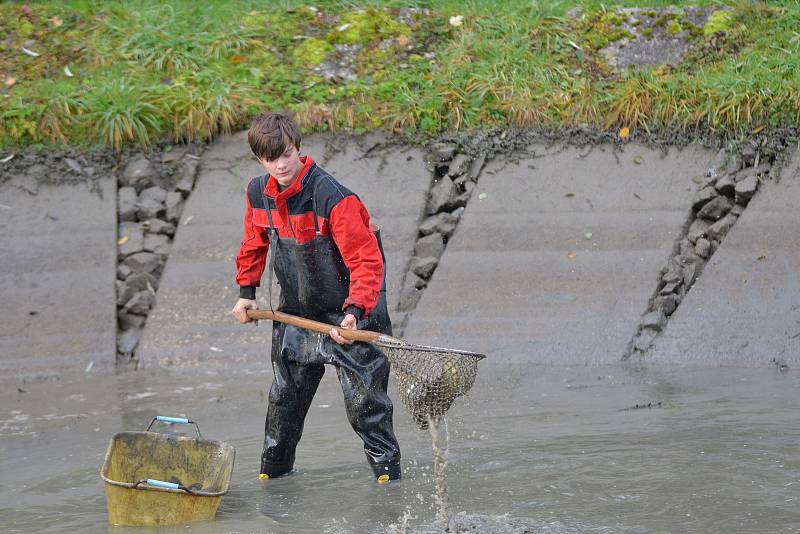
130, 73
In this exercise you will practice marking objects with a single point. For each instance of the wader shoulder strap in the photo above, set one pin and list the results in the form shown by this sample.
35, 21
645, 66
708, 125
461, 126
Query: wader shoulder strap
273, 238
262, 183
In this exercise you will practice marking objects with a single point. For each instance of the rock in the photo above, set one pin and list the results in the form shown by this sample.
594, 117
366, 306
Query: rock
477, 166
429, 246
575, 13
126, 204
127, 341
142, 282
127, 321
746, 189
666, 303
760, 171
442, 197
689, 274
188, 176
185, 185
190, 164
156, 243
157, 226
140, 303
149, 209
444, 223
715, 209
138, 173
73, 165
685, 250
703, 197
461, 200
737, 210
673, 274
151, 203
409, 296
122, 298
668, 288
440, 152
655, 320
424, 267
123, 272
133, 236
156, 193
143, 262
703, 248
174, 204
429, 225
135, 283
697, 230
645, 339
725, 185
721, 227
748, 154
459, 165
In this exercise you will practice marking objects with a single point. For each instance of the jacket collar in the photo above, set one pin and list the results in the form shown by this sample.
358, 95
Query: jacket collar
273, 189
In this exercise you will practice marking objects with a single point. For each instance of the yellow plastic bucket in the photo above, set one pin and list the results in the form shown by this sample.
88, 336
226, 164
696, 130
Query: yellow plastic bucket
165, 479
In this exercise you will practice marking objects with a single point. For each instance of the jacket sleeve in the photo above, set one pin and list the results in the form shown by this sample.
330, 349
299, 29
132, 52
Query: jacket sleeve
252, 255
358, 246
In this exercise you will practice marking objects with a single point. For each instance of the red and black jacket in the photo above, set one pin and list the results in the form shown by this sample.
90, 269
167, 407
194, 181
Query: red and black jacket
339, 213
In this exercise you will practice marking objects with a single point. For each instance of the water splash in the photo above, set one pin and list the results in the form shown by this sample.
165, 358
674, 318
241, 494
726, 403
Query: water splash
440, 441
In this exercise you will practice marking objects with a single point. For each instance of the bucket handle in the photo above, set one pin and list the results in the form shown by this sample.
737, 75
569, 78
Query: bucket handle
175, 421
163, 484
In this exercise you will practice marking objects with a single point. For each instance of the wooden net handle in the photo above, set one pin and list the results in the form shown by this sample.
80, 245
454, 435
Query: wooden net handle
315, 326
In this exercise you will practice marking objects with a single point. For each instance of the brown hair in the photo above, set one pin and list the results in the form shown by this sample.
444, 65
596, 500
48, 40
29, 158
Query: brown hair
271, 134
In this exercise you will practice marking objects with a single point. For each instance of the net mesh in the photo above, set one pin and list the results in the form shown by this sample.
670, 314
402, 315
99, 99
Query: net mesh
429, 379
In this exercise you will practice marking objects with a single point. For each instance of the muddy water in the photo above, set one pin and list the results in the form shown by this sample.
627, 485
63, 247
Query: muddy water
542, 448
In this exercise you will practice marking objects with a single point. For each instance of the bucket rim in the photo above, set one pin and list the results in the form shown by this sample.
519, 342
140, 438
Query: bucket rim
138, 486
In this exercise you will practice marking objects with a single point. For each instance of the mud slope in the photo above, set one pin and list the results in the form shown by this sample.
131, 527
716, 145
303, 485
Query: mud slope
57, 272
558, 253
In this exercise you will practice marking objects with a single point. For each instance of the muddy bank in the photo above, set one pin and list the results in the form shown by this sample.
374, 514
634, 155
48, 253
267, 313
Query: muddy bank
152, 190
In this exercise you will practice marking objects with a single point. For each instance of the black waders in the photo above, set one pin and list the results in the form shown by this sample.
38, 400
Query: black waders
314, 283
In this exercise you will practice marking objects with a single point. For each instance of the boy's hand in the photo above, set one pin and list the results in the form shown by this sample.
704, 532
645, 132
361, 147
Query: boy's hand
240, 310
349, 323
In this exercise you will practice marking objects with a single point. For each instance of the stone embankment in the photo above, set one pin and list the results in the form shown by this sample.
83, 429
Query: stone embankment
152, 190
722, 195
454, 176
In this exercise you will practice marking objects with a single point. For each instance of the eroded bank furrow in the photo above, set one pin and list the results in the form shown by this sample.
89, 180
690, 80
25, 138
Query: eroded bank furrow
454, 174
152, 190
722, 195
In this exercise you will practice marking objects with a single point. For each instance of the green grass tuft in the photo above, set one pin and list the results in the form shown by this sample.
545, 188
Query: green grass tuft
146, 70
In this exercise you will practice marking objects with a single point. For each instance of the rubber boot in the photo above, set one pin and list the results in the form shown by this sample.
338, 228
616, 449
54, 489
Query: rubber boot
269, 470
386, 472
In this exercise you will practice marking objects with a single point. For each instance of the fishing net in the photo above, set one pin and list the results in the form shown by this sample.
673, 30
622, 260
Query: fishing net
429, 379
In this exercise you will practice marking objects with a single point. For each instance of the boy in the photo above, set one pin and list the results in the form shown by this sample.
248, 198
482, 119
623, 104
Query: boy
330, 268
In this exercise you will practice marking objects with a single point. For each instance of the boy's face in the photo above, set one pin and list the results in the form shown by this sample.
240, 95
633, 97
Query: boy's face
286, 168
